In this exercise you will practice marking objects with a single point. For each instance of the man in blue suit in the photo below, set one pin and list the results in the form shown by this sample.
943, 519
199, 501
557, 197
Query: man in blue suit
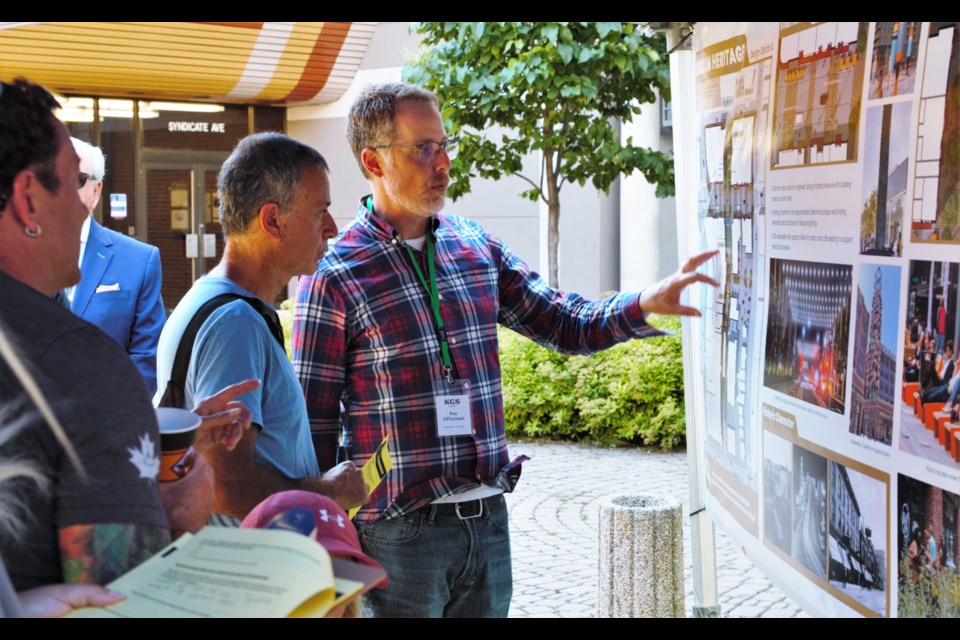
119, 290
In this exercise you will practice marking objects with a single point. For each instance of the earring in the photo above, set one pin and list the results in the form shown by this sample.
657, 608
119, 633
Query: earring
30, 233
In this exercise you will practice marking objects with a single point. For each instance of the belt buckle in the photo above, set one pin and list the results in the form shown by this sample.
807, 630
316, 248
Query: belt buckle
479, 512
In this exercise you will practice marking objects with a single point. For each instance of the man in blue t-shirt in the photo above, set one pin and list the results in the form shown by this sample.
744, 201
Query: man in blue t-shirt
274, 208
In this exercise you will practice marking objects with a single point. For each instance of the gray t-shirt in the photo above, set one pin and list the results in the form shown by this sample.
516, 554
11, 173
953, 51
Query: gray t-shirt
99, 397
9, 603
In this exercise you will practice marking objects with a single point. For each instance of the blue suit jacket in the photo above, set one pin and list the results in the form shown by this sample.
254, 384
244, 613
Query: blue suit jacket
128, 306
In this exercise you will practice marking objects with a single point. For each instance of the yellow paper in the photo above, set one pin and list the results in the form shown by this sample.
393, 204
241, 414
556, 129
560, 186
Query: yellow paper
376, 468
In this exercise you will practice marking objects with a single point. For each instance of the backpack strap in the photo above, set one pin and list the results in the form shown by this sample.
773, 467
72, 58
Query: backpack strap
173, 396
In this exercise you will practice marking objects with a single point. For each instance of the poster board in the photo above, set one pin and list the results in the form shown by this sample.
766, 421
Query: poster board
829, 178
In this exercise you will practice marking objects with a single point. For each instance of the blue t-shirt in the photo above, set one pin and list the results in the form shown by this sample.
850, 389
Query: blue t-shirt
232, 345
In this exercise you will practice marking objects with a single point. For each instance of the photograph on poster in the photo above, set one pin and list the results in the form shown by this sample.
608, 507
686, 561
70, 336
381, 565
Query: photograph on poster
777, 491
928, 558
818, 94
884, 190
808, 328
931, 376
893, 71
858, 536
733, 109
936, 187
809, 543
873, 377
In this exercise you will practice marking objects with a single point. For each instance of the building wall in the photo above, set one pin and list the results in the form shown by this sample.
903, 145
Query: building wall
648, 226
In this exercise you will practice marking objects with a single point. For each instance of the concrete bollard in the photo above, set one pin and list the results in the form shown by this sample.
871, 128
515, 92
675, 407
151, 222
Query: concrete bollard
641, 558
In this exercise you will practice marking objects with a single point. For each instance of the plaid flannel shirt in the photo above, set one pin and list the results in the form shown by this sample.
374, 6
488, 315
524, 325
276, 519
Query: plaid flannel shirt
364, 334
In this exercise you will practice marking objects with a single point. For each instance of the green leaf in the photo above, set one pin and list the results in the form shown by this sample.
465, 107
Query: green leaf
587, 54
475, 85
570, 90
550, 33
566, 52
603, 28
566, 35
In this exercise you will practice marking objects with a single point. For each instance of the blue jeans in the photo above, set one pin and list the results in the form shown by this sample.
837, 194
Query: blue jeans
442, 566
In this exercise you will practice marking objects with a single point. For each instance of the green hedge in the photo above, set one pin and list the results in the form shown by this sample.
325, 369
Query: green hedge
286, 321
630, 394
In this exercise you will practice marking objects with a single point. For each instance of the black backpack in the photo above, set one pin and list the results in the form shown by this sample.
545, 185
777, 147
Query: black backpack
173, 395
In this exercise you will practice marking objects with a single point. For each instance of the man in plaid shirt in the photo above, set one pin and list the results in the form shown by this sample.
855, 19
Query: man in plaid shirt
399, 323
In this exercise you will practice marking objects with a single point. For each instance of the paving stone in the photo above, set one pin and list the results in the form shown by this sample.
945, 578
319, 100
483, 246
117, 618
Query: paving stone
554, 523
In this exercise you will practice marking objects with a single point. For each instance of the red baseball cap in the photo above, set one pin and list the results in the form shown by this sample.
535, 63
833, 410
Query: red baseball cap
314, 515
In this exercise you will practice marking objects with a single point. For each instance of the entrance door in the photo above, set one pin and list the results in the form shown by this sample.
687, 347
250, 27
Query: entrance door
183, 221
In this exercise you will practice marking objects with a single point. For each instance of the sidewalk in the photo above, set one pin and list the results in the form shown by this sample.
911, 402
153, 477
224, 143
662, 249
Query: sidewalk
553, 527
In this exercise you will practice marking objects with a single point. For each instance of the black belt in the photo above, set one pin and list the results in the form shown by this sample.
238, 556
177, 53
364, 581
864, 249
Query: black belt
467, 509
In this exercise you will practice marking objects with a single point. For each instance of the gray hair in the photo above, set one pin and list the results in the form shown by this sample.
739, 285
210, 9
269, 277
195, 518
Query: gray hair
264, 167
93, 155
15, 416
370, 121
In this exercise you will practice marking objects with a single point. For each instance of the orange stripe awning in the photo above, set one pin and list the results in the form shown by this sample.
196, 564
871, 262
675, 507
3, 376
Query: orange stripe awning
274, 63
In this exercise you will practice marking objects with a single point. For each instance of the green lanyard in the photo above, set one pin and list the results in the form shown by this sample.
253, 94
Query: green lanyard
434, 294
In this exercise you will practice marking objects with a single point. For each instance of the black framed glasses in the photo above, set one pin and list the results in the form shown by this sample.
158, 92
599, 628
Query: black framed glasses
82, 180
428, 151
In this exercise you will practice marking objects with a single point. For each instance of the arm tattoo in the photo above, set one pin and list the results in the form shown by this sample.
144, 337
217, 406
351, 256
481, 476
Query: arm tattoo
100, 553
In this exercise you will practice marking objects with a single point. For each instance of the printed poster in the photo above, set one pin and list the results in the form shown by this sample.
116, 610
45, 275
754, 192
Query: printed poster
829, 178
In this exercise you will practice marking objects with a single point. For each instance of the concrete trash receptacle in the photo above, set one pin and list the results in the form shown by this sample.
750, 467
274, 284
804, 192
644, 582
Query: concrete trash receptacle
640, 573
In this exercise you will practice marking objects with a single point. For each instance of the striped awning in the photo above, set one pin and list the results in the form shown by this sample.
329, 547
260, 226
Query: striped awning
276, 63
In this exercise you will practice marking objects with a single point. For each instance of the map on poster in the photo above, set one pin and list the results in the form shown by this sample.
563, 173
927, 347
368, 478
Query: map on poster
829, 178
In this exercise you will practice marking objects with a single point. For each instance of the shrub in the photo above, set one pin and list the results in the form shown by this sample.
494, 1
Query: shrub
631, 393
285, 312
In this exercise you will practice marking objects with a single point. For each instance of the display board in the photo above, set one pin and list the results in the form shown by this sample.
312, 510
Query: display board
829, 178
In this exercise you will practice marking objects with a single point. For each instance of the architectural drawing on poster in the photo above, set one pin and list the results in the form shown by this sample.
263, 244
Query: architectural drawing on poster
884, 187
819, 83
936, 188
858, 540
873, 375
893, 71
808, 326
733, 106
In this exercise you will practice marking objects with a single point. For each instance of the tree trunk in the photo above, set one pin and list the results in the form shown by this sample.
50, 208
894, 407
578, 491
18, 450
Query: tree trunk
553, 218
553, 242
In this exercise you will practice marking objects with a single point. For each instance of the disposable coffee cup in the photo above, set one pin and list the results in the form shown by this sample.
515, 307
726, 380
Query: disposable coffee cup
178, 432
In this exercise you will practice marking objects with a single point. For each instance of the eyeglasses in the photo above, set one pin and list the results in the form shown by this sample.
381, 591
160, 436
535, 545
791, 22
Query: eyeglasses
82, 180
428, 150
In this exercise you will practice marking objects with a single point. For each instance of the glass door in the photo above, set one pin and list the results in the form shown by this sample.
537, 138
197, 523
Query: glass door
183, 221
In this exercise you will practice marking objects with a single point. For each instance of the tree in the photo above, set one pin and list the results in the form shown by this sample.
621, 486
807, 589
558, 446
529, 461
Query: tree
868, 216
558, 87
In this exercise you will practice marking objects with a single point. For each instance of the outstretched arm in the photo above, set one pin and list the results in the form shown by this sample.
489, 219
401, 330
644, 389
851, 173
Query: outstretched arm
568, 323
242, 483
664, 296
225, 419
